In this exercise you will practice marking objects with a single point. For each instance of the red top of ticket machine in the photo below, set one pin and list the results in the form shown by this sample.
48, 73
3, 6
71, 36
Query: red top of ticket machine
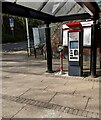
75, 26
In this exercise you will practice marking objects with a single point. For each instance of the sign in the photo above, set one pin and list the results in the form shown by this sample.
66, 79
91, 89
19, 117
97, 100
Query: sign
65, 34
39, 36
42, 34
11, 21
36, 37
87, 23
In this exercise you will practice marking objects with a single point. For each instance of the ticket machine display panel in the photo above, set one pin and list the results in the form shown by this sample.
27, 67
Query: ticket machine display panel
73, 46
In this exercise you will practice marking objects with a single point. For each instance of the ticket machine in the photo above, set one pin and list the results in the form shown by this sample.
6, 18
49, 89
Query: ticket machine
75, 49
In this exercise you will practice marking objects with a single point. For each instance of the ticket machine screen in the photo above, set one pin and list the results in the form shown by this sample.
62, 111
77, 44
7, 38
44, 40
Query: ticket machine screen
73, 44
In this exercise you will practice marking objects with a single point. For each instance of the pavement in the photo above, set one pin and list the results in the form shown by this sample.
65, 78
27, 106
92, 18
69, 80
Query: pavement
29, 92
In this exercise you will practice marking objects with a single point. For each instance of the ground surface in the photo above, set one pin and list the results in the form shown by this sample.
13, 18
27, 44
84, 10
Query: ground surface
29, 92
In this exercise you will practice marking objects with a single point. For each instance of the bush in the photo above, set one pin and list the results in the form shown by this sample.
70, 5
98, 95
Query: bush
7, 38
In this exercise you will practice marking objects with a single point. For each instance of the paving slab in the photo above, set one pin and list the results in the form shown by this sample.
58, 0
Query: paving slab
38, 86
67, 115
54, 80
6, 74
90, 93
80, 84
32, 77
16, 70
20, 77
73, 82
37, 112
93, 105
32, 81
10, 108
0, 106
14, 91
85, 85
96, 85
40, 95
72, 101
61, 88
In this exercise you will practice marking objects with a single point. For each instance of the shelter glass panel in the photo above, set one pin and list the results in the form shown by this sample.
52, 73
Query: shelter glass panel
75, 9
65, 9
99, 3
10, 0
30, 4
51, 7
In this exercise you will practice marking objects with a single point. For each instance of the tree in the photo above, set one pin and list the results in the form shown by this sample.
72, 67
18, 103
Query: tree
19, 28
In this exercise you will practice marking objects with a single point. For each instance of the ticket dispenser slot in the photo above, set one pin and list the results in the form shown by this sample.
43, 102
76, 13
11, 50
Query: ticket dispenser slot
75, 50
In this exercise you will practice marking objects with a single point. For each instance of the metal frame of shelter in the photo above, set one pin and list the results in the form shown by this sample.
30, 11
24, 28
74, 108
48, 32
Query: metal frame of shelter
90, 11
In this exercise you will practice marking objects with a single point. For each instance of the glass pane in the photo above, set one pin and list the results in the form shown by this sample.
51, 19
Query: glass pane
29, 4
65, 9
9, 0
82, 11
99, 3
76, 9
51, 7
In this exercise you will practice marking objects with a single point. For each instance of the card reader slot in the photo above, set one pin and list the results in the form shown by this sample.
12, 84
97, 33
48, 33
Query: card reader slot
73, 57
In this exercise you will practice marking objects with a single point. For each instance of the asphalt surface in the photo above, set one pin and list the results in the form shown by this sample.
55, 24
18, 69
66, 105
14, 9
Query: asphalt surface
10, 47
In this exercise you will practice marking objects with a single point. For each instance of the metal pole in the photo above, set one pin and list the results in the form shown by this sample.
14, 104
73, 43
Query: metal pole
100, 56
61, 63
100, 44
12, 30
93, 49
29, 50
35, 52
61, 36
49, 49
61, 54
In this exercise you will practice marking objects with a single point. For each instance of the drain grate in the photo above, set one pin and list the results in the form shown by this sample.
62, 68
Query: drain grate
52, 106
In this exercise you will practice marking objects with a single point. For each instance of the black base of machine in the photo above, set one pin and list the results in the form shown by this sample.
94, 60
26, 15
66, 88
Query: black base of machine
74, 71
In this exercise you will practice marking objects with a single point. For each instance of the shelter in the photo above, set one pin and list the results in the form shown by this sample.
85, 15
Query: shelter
52, 11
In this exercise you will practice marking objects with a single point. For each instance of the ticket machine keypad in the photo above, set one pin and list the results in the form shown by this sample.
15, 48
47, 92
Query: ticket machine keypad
73, 55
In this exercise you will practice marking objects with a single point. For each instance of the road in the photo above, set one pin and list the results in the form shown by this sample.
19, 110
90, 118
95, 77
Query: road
8, 47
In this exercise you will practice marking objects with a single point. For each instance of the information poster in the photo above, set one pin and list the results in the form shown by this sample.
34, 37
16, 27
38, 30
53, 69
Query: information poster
87, 36
65, 38
74, 36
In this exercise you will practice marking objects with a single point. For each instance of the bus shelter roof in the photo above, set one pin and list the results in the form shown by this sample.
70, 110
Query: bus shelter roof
52, 10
